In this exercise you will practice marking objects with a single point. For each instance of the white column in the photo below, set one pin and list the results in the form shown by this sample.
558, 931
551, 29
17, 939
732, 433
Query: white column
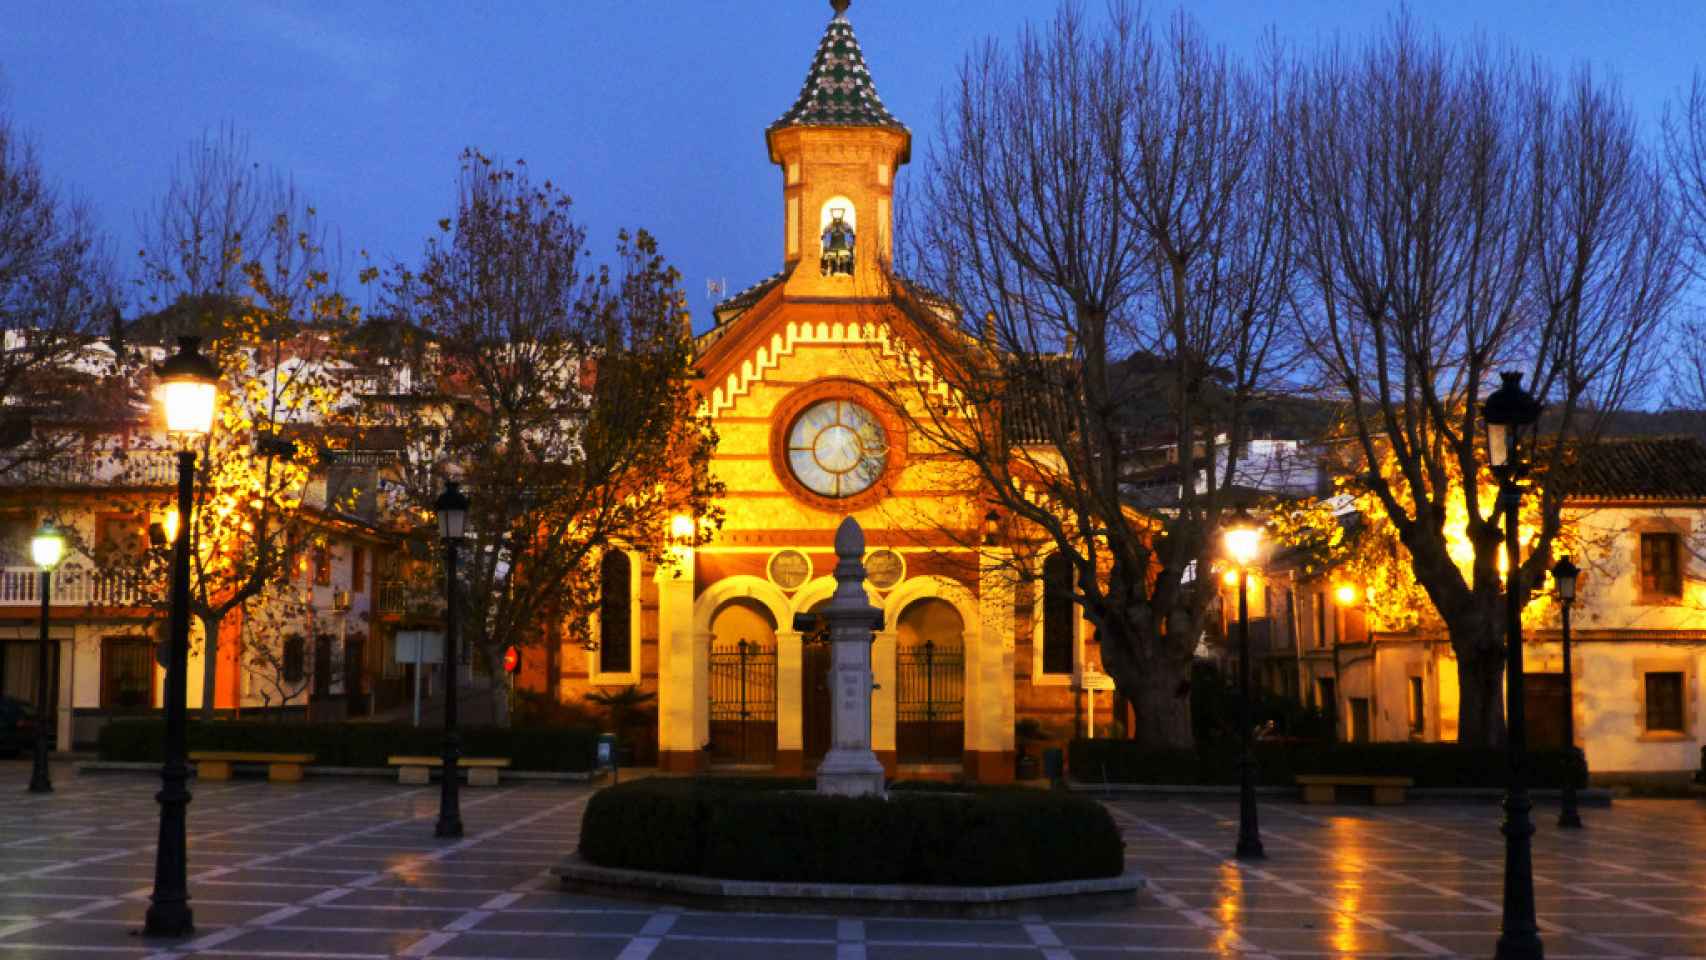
882, 698
989, 727
790, 727
850, 768
683, 659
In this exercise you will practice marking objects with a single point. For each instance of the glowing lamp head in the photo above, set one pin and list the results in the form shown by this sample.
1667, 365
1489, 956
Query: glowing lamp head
1510, 413
1564, 574
189, 390
47, 547
1346, 594
1230, 578
682, 527
452, 510
1243, 539
170, 524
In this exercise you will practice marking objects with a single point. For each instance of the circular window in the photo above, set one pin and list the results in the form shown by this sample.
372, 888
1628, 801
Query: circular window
836, 448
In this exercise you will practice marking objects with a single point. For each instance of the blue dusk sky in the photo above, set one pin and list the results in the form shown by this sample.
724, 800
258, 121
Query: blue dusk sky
649, 112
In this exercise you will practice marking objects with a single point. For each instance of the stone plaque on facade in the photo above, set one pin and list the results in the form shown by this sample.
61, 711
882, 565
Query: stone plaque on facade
884, 569
789, 569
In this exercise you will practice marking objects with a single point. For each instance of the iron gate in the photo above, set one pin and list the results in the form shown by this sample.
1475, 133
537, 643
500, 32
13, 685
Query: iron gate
930, 702
743, 702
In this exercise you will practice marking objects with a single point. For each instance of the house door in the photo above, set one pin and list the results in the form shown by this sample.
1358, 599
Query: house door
19, 679
355, 674
743, 683
930, 683
816, 702
1543, 705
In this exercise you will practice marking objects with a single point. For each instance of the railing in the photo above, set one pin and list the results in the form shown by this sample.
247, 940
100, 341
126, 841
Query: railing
390, 596
73, 587
98, 469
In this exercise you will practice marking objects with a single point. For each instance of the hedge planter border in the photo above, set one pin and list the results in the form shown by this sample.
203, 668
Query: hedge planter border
880, 899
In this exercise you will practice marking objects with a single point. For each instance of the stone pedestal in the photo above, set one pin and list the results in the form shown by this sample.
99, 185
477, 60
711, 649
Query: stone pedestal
851, 768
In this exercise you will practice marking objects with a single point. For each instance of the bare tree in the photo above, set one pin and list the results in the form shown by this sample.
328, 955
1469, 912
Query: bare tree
1110, 207
561, 400
212, 217
57, 291
1685, 151
1462, 212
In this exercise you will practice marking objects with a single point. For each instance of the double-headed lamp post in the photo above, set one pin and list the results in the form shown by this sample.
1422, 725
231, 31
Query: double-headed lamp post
1564, 574
1511, 414
452, 510
1243, 540
45, 549
189, 391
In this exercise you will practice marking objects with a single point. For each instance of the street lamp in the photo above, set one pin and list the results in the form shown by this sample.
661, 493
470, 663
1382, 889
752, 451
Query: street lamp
1564, 574
189, 390
46, 549
1511, 414
452, 510
1243, 540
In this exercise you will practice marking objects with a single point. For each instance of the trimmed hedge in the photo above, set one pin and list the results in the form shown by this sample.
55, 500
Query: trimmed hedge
779, 831
572, 749
1278, 764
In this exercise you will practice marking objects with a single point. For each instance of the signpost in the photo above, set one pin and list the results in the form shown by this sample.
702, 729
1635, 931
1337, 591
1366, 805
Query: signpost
419, 647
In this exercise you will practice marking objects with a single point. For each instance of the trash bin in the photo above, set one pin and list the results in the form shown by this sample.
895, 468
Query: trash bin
1054, 766
606, 752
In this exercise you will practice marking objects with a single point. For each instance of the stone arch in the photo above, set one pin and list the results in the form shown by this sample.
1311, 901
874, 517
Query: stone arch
736, 587
927, 586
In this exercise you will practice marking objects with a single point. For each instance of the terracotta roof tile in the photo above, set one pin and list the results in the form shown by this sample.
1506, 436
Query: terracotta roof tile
1660, 468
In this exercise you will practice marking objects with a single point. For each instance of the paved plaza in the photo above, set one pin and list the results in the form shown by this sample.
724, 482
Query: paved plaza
349, 868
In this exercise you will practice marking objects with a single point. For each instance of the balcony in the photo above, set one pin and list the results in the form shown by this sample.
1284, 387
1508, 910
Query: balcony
73, 587
390, 596
153, 468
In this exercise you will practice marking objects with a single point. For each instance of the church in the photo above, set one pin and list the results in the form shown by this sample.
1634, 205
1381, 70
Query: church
805, 380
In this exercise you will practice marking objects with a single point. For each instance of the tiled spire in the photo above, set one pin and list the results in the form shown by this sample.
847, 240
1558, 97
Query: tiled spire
838, 90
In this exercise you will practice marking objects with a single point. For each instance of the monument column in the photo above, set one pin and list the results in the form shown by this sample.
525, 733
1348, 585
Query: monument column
850, 769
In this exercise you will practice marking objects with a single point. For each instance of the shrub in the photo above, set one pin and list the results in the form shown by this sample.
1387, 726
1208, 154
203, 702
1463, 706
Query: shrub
1278, 764
777, 830
571, 749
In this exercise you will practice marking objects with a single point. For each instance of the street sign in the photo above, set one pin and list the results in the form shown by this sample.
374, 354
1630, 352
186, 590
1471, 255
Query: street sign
512, 659
420, 646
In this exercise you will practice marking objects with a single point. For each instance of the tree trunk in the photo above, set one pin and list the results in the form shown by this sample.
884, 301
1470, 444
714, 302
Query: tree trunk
1480, 680
1158, 689
209, 663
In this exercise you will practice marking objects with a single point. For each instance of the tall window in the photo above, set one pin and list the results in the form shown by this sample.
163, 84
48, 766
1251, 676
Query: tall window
1321, 619
1359, 720
1665, 703
323, 566
295, 665
1661, 569
358, 569
1418, 716
1057, 614
615, 614
127, 672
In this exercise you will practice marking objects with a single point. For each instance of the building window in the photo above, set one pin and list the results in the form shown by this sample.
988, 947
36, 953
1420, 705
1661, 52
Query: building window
1329, 695
1665, 701
1661, 569
615, 613
1321, 619
358, 569
1058, 614
1359, 720
1418, 716
295, 658
322, 566
127, 673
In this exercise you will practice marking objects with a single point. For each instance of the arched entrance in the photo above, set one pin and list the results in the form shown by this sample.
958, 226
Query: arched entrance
743, 683
816, 702
930, 664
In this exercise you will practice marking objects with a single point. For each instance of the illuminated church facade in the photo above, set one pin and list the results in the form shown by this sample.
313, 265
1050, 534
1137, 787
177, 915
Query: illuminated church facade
803, 376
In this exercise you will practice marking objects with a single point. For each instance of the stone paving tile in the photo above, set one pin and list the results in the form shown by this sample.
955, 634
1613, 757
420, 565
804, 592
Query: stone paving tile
351, 869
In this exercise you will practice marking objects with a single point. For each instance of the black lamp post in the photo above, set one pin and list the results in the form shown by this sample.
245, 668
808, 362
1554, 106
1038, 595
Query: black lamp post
1511, 414
452, 510
188, 392
45, 549
1564, 574
1243, 539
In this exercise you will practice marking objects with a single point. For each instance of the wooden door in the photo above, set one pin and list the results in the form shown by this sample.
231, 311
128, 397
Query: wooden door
816, 703
1543, 706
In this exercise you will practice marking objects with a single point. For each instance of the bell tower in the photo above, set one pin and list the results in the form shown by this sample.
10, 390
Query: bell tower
839, 149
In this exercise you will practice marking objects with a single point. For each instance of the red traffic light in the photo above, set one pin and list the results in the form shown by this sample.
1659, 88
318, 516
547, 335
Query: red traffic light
512, 659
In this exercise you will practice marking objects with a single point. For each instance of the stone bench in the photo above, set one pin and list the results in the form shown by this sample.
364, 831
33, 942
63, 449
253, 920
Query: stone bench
1323, 787
482, 771
281, 767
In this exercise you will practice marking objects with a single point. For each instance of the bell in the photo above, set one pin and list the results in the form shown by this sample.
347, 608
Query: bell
837, 257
